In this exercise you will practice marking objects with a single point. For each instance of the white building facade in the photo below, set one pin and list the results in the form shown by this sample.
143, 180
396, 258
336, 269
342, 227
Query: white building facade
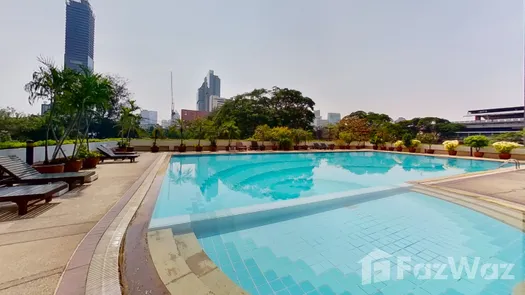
148, 118
334, 118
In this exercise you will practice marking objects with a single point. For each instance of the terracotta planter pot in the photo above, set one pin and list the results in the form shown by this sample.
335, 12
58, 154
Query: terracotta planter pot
412, 150
429, 151
342, 147
198, 148
274, 147
383, 148
51, 168
452, 153
391, 148
130, 149
375, 147
73, 166
504, 156
348, 147
331, 146
90, 163
305, 147
120, 150
295, 147
154, 149
213, 148
262, 147
479, 154
182, 148
399, 149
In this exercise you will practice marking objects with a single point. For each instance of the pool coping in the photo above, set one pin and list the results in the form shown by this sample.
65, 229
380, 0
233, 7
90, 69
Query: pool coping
151, 269
252, 214
74, 278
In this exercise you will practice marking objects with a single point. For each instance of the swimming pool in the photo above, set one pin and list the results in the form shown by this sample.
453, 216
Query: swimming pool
207, 183
325, 253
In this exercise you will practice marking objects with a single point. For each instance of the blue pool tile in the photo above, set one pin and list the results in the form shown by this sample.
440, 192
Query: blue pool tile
295, 290
259, 280
270, 275
265, 289
283, 292
314, 292
277, 285
306, 286
326, 290
288, 281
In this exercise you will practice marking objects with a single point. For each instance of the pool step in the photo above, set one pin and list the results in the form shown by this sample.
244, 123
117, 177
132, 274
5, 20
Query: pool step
184, 267
513, 216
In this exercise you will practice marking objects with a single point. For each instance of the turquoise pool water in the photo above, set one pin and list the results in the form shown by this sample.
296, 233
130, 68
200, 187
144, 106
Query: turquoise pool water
321, 253
198, 184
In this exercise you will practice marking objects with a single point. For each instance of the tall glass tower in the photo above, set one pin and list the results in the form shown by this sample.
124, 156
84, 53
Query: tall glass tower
80, 35
210, 86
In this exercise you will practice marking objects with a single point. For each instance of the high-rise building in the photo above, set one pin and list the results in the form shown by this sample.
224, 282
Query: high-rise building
148, 118
210, 86
44, 108
216, 101
334, 118
80, 35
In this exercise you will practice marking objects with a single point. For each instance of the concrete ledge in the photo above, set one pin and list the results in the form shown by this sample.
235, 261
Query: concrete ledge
185, 268
276, 211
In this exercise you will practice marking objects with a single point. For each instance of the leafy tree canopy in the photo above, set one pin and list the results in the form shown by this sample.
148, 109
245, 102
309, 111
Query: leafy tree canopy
274, 107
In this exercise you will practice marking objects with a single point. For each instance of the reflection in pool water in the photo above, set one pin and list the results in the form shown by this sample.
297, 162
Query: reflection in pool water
197, 184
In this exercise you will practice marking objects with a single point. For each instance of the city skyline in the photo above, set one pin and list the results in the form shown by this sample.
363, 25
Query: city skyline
80, 35
394, 58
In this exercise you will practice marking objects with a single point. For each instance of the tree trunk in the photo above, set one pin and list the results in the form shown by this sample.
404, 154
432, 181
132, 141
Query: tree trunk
66, 134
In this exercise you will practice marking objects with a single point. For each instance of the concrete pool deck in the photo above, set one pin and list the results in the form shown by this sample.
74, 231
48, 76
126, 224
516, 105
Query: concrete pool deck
35, 248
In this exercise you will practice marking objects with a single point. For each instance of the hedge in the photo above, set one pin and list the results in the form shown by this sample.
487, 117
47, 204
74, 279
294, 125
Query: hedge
19, 144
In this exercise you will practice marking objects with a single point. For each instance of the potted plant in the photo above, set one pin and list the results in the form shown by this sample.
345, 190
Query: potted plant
306, 135
296, 136
157, 132
262, 132
72, 164
376, 140
198, 126
399, 145
180, 126
231, 130
451, 146
340, 144
211, 132
504, 148
407, 142
428, 139
415, 144
478, 142
347, 138
90, 159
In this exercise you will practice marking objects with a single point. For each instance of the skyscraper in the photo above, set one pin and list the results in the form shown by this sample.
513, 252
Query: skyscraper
80, 35
210, 86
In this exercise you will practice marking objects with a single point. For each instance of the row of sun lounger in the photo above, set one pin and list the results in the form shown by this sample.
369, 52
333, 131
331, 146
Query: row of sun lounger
23, 184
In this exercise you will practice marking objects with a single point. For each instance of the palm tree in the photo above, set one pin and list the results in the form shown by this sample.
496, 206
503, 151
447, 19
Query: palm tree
181, 125
198, 128
231, 130
51, 84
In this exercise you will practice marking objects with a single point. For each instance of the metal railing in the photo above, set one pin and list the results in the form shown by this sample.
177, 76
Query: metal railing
490, 121
516, 163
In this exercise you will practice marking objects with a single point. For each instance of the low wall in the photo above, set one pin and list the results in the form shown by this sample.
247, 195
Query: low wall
39, 154
172, 144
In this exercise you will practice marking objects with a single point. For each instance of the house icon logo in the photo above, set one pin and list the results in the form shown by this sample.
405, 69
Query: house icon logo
375, 267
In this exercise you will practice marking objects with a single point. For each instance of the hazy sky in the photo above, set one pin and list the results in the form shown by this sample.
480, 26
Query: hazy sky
401, 57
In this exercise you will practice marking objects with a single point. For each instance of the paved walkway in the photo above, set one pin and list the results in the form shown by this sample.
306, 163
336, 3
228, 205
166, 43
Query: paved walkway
35, 249
508, 186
